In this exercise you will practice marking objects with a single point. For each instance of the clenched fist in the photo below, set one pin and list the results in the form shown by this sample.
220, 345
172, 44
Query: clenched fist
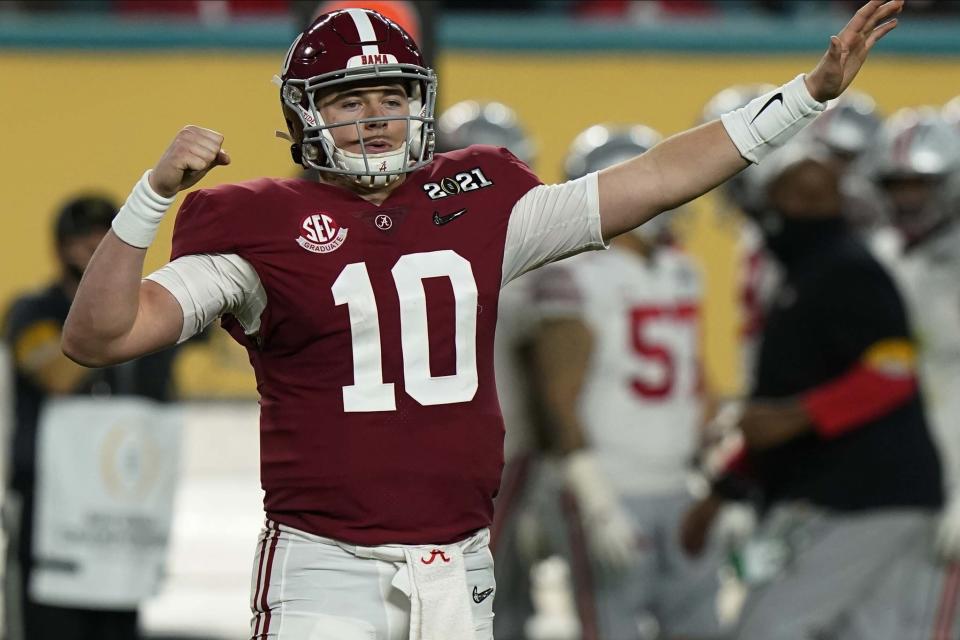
193, 152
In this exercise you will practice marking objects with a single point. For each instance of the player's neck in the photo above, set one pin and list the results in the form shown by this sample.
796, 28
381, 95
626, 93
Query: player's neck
373, 195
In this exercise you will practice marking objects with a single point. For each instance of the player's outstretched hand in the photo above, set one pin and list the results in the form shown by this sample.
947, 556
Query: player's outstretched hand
848, 49
192, 154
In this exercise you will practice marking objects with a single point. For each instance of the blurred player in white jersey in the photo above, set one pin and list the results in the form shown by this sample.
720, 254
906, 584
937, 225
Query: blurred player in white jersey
618, 354
464, 124
917, 163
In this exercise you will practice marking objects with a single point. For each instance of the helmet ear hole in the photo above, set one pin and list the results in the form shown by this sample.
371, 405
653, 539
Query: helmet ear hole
294, 126
310, 152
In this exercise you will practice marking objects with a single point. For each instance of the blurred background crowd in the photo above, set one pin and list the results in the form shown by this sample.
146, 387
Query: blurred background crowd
623, 515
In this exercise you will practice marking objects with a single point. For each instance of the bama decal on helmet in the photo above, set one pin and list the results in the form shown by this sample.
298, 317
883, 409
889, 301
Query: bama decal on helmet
320, 233
371, 52
371, 58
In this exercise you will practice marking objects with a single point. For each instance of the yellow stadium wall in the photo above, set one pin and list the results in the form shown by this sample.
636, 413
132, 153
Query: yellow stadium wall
72, 121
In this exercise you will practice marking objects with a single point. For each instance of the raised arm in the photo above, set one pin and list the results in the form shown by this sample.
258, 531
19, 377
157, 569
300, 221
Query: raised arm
691, 163
116, 316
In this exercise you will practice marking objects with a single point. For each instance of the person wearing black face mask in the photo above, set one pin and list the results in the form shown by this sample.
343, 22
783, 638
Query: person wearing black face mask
836, 446
47, 595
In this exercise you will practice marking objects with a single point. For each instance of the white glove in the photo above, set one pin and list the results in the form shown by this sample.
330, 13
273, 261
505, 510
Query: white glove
722, 438
734, 525
948, 531
613, 539
533, 544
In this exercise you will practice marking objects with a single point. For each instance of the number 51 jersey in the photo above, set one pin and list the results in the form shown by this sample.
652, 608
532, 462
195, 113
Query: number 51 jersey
374, 351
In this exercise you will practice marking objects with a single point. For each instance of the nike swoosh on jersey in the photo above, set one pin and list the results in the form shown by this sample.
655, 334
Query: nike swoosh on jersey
773, 98
479, 597
441, 220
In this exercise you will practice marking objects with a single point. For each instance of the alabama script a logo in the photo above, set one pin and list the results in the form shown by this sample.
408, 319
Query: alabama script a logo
434, 554
320, 233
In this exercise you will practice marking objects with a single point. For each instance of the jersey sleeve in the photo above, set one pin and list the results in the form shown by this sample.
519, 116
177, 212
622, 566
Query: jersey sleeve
208, 286
203, 226
551, 222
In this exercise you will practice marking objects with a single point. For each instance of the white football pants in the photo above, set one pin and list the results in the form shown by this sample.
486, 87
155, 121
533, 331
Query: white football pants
306, 587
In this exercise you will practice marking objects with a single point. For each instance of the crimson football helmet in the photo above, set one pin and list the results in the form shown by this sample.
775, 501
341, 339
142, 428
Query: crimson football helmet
343, 48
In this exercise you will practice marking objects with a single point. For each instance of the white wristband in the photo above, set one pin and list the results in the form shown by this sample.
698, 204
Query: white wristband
766, 123
138, 219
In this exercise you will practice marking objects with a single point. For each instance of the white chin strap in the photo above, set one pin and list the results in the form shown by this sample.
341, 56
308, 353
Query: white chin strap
377, 162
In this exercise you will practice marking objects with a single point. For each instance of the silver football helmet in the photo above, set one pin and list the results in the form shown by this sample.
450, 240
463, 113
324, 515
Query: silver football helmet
915, 143
916, 161
736, 189
601, 146
494, 123
849, 124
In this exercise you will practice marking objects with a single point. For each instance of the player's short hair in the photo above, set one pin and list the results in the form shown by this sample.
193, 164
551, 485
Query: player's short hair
82, 214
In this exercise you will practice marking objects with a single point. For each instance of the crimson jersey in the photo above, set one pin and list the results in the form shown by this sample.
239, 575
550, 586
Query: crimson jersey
379, 416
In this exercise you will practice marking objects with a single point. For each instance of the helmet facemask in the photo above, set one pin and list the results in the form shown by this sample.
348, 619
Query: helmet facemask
316, 147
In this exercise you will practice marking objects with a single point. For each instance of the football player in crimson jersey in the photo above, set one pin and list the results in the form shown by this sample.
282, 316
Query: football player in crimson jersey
367, 302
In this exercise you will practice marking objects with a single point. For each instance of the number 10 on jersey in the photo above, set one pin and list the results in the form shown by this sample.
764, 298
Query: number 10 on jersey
353, 288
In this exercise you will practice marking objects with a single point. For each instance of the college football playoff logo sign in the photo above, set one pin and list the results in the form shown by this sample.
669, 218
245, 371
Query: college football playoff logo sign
319, 233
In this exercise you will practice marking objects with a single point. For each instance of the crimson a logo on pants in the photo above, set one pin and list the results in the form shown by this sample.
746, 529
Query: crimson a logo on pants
320, 233
434, 553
